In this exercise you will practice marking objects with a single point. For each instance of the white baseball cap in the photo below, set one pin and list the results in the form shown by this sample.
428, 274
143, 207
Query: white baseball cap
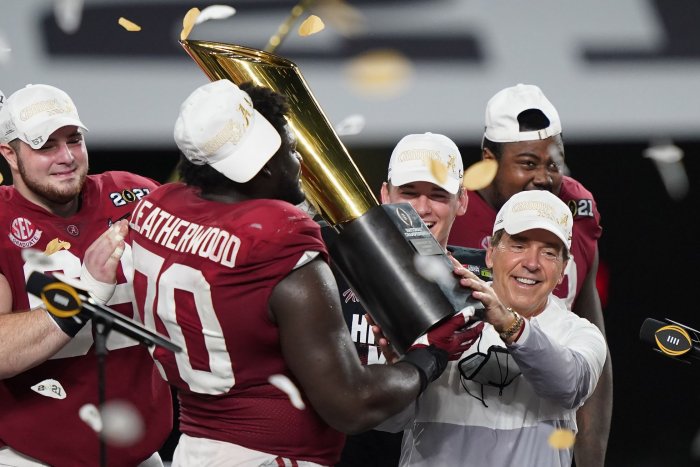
34, 112
218, 126
503, 109
410, 161
536, 209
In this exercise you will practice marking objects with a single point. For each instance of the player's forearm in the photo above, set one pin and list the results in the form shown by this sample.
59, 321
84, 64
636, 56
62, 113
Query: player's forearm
26, 340
593, 420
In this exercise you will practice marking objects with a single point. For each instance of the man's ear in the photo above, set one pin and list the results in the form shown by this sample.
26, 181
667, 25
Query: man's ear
463, 200
487, 154
489, 256
266, 171
563, 272
384, 193
10, 156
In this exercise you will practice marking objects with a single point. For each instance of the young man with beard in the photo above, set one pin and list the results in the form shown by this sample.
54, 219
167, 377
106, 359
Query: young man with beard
232, 271
48, 366
523, 134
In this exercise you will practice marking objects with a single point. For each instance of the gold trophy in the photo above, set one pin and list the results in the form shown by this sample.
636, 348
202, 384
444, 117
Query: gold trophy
375, 245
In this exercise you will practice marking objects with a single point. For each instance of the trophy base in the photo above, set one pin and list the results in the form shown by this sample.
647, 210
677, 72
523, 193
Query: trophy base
376, 254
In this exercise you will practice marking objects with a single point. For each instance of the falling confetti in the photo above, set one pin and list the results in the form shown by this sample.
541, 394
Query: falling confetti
56, 245
50, 388
283, 383
438, 170
128, 25
122, 423
380, 73
2, 179
351, 125
311, 25
35, 258
68, 15
4, 50
433, 268
188, 22
90, 415
561, 439
215, 12
480, 175
346, 19
668, 160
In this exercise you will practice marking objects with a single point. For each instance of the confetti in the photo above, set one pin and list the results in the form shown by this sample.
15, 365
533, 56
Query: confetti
215, 12
188, 22
480, 175
561, 439
348, 20
438, 170
68, 15
668, 159
50, 388
351, 125
56, 245
311, 25
381, 73
90, 415
128, 25
4, 49
284, 384
122, 423
2, 179
433, 268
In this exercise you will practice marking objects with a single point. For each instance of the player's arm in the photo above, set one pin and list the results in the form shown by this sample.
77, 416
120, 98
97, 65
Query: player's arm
26, 338
29, 338
317, 347
593, 418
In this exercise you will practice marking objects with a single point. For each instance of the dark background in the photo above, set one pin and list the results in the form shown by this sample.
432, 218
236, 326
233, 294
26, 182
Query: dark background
650, 250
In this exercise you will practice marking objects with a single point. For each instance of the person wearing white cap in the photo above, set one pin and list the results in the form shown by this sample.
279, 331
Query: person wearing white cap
50, 370
425, 170
244, 286
523, 134
513, 396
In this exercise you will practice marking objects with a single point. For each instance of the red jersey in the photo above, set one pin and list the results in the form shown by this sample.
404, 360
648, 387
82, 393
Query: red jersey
204, 275
475, 227
39, 408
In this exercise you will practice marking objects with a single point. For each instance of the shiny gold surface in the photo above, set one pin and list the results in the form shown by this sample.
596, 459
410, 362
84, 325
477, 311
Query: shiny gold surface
331, 179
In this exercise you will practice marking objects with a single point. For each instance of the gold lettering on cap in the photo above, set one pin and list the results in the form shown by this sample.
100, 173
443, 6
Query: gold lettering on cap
245, 113
230, 133
51, 106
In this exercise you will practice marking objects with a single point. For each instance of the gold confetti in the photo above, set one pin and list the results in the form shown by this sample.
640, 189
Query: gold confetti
2, 179
188, 22
56, 245
480, 175
128, 25
382, 73
311, 25
438, 170
561, 439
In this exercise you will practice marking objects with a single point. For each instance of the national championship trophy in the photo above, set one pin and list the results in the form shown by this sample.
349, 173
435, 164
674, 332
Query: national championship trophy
376, 244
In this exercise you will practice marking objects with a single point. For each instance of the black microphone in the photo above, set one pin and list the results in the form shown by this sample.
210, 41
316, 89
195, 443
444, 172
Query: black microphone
65, 299
671, 338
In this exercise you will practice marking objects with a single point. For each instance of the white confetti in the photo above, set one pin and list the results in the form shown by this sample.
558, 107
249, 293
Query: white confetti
36, 258
351, 125
433, 268
90, 415
68, 14
283, 383
50, 388
122, 423
5, 50
215, 12
668, 159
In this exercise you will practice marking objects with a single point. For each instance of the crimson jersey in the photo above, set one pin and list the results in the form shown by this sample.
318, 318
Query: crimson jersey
39, 407
475, 227
204, 275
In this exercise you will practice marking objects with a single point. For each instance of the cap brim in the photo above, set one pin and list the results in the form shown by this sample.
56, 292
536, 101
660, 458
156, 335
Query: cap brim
514, 228
409, 176
248, 157
39, 136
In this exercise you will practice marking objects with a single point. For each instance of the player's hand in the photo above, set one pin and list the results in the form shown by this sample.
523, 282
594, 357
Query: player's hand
387, 350
454, 336
99, 272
